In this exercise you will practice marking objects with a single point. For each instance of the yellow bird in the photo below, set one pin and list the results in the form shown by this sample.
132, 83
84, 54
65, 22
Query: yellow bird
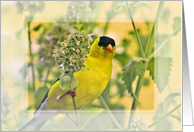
91, 84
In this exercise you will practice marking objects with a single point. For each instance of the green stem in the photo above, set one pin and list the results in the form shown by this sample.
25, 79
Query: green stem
109, 18
176, 117
164, 116
31, 56
154, 28
113, 118
106, 27
175, 31
100, 4
136, 33
135, 102
75, 108
46, 78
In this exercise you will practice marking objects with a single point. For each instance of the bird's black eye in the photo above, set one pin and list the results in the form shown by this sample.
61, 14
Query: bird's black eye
105, 41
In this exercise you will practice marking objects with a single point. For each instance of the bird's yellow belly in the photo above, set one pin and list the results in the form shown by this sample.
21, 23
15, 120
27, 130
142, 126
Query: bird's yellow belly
91, 84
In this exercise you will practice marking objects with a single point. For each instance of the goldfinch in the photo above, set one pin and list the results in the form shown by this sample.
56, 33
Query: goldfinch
91, 84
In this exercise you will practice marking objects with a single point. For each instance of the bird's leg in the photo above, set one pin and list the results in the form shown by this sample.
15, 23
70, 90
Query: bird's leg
72, 93
60, 97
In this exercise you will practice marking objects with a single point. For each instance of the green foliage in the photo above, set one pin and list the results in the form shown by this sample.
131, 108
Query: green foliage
37, 27
31, 6
123, 57
165, 124
146, 81
68, 83
78, 11
159, 69
84, 68
87, 115
160, 38
40, 70
168, 100
39, 95
121, 88
51, 39
143, 38
165, 15
131, 71
150, 41
176, 23
24, 69
132, 4
176, 117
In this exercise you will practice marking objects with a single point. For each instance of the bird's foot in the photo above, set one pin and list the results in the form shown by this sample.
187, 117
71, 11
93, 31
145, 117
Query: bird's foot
73, 93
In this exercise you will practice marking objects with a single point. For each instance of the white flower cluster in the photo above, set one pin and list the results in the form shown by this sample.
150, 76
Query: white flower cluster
138, 124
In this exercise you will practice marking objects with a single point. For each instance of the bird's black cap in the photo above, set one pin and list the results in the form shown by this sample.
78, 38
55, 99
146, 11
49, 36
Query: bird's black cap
105, 41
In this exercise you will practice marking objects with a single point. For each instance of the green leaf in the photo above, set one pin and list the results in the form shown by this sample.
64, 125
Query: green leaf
160, 38
176, 23
176, 117
85, 117
159, 70
165, 15
78, 26
40, 70
131, 71
168, 100
74, 83
65, 83
121, 88
165, 124
39, 95
123, 58
37, 27
118, 6
84, 68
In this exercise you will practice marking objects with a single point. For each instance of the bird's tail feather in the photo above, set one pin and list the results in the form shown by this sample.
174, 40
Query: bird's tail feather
33, 125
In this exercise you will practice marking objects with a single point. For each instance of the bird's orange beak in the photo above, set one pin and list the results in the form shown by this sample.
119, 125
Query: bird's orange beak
109, 48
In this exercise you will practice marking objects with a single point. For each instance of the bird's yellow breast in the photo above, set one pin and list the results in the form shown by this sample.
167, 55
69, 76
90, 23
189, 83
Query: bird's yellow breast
91, 84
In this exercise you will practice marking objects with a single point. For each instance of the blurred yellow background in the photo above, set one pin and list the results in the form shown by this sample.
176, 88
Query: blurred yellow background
14, 52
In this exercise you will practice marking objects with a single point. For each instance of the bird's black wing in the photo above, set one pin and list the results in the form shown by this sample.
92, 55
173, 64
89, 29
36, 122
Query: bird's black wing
45, 96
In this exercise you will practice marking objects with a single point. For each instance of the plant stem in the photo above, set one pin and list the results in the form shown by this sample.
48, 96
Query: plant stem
113, 118
75, 108
31, 56
46, 78
154, 28
135, 102
106, 27
175, 31
136, 33
164, 116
